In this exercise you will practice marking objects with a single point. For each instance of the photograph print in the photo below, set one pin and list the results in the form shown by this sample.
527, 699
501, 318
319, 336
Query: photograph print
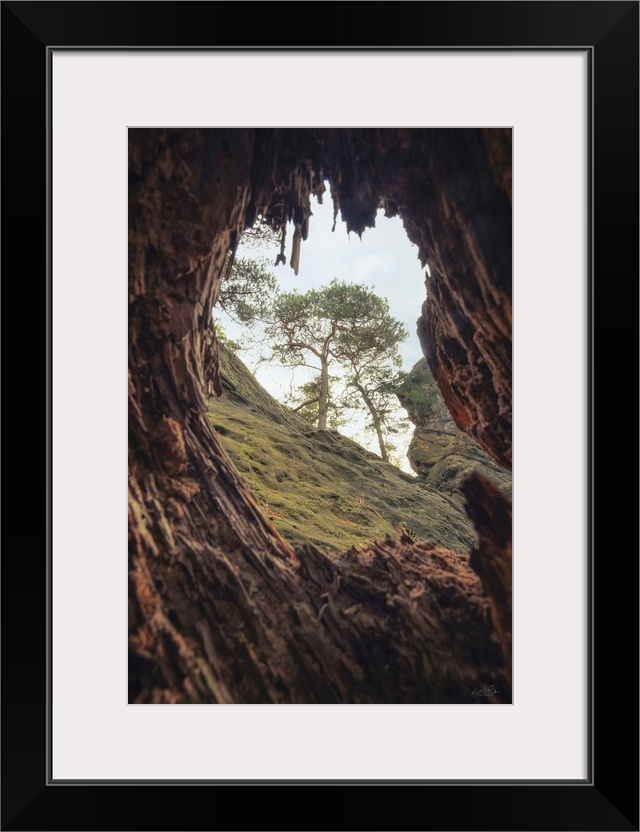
320, 416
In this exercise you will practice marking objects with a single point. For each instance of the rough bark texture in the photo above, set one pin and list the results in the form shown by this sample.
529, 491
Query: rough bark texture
465, 328
220, 608
490, 511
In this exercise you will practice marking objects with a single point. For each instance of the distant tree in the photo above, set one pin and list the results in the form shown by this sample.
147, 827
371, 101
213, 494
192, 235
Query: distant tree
372, 360
247, 287
261, 235
373, 387
247, 290
304, 401
342, 323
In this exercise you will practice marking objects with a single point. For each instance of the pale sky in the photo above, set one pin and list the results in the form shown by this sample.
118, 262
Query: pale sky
384, 259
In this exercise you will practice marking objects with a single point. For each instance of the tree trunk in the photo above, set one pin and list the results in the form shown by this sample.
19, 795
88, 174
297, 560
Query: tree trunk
383, 447
221, 610
375, 418
323, 400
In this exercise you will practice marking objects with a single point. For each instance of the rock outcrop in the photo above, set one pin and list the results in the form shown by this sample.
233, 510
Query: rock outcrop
421, 398
439, 452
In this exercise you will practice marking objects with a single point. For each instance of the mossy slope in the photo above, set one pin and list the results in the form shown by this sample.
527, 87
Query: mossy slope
318, 486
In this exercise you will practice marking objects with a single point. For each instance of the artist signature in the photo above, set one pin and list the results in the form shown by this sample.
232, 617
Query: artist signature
490, 691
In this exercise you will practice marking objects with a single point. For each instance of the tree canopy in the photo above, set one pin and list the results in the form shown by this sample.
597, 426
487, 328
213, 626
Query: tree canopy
247, 290
342, 325
343, 331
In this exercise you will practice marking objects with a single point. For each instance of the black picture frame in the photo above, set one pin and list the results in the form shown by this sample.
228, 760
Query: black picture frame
608, 799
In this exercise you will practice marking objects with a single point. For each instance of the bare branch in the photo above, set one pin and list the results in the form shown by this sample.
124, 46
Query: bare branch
304, 404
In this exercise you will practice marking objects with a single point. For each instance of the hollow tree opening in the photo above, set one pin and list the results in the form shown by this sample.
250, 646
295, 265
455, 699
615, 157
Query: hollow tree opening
221, 608
319, 473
